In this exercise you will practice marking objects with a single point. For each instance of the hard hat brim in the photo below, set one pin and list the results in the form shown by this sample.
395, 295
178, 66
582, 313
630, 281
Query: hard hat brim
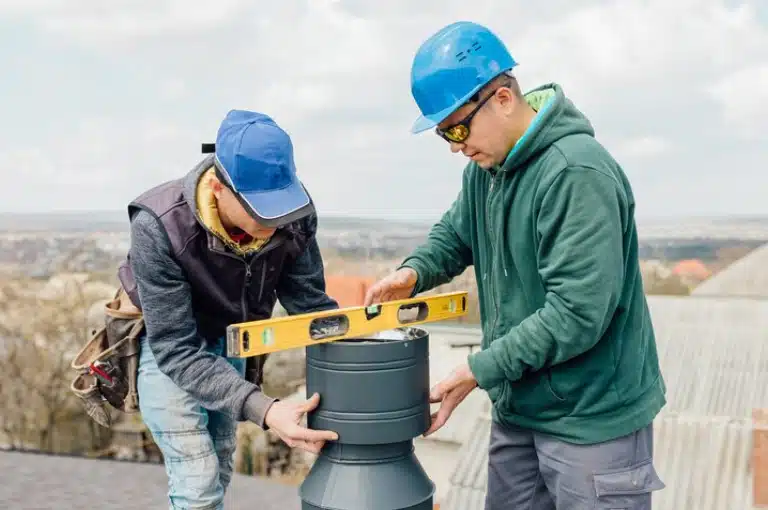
422, 124
425, 122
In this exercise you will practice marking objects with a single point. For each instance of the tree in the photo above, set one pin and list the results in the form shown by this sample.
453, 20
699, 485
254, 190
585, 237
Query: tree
38, 338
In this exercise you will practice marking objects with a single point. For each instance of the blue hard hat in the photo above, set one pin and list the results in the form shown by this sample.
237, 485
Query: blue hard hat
451, 66
254, 157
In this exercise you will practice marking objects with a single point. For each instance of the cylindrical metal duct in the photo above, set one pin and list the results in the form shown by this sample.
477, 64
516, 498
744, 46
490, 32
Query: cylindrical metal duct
375, 394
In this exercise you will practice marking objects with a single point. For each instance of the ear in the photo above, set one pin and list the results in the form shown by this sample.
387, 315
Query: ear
217, 187
506, 100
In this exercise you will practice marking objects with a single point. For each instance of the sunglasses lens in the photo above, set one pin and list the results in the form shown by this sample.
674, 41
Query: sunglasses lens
457, 133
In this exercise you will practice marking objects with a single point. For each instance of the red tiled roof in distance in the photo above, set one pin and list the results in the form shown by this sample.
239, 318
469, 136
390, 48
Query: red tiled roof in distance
348, 290
692, 267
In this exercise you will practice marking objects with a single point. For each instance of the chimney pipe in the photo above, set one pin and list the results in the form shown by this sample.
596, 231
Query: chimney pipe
374, 393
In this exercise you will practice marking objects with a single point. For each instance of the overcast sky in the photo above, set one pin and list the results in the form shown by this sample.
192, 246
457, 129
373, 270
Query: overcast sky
100, 100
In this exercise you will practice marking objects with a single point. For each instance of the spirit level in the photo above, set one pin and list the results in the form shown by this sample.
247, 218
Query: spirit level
254, 338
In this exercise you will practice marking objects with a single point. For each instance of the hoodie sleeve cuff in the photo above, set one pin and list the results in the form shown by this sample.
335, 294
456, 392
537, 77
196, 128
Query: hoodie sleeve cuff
256, 406
486, 370
416, 266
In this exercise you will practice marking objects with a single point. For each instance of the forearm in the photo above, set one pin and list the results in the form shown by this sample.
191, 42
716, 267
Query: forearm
444, 255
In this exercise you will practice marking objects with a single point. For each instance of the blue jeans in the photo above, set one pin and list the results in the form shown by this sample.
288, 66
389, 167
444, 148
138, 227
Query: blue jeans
198, 445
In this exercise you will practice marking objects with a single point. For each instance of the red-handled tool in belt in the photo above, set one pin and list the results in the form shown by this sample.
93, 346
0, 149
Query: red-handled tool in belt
96, 370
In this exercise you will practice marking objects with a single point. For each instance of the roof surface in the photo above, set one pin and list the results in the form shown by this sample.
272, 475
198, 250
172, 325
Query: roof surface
51, 482
714, 357
747, 277
704, 464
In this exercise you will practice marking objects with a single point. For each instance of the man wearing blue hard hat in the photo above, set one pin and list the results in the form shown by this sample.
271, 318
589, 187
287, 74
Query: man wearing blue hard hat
219, 246
546, 217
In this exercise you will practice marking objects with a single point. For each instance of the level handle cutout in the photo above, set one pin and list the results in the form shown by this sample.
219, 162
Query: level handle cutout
326, 327
412, 312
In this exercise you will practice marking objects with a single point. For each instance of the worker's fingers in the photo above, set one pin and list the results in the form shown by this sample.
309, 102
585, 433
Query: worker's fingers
436, 394
441, 389
432, 426
310, 446
393, 293
439, 418
305, 434
373, 295
311, 403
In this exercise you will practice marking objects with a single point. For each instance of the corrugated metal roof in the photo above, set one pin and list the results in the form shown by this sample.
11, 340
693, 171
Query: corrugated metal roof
747, 277
714, 356
713, 352
703, 462
468, 482
442, 360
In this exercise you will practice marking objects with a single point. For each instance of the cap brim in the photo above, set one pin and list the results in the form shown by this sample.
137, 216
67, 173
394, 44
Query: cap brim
279, 207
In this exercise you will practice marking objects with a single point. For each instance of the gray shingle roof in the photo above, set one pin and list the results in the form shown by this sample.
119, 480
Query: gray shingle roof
51, 482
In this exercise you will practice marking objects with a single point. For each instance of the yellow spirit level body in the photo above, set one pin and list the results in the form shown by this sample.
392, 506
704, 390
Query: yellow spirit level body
255, 338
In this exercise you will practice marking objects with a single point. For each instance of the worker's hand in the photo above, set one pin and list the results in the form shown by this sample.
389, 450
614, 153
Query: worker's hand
451, 391
398, 285
284, 418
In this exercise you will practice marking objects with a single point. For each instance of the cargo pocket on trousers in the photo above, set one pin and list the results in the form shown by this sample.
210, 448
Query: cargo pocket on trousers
628, 489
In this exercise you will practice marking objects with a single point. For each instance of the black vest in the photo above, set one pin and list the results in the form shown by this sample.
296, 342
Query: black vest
226, 288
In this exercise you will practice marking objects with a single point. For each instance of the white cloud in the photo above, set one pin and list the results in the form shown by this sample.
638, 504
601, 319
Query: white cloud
335, 74
654, 43
641, 147
174, 88
743, 97
101, 164
121, 21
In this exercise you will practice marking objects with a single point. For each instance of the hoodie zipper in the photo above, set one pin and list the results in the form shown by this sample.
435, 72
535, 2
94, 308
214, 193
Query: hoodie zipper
493, 253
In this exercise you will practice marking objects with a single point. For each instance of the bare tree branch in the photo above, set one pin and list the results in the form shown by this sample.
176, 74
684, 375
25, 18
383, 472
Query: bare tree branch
39, 336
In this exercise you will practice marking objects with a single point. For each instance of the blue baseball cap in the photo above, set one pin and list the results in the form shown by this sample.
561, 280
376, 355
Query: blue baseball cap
254, 158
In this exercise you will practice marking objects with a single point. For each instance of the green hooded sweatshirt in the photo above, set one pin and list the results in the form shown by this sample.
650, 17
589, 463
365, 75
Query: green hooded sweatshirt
568, 346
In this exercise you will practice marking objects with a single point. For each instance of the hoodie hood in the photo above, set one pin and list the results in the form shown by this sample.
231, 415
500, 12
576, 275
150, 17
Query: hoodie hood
556, 118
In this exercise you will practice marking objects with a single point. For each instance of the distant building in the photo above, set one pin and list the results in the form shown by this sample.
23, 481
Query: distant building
348, 290
691, 270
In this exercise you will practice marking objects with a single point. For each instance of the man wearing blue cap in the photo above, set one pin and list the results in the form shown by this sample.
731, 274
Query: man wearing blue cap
546, 217
215, 247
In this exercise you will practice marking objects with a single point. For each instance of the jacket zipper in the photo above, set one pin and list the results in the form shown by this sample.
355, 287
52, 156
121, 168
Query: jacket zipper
246, 282
248, 273
493, 256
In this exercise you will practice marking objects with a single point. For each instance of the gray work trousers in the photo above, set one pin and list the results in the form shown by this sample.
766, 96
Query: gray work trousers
532, 471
